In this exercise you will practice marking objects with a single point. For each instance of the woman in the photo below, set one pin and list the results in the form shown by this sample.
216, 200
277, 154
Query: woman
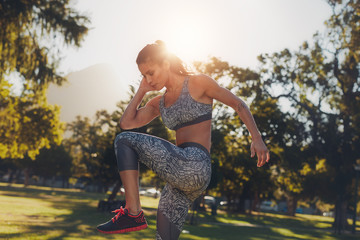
186, 108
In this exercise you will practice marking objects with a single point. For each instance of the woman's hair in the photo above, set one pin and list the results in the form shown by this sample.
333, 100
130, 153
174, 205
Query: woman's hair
157, 53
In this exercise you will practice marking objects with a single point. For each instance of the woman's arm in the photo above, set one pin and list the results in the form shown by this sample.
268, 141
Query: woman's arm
135, 117
213, 90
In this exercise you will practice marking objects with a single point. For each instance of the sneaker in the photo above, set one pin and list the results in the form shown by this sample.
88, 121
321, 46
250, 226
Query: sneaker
123, 222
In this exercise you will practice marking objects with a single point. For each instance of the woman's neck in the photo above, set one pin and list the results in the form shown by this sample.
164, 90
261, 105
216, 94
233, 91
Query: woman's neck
174, 82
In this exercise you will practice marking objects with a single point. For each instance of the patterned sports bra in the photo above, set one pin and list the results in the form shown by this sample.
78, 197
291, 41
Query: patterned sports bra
185, 111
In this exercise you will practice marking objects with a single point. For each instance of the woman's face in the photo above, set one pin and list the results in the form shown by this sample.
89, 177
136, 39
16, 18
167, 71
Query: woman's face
156, 75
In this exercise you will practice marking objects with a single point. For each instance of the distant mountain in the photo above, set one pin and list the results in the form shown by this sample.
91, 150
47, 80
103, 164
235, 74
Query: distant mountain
87, 91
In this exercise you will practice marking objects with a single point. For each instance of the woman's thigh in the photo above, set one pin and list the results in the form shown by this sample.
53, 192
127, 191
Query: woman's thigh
187, 169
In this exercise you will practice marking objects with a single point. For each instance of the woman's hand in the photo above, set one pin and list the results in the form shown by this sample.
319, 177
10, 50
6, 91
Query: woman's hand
145, 86
258, 147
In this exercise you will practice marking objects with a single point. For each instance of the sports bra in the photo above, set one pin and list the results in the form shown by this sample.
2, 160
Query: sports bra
185, 111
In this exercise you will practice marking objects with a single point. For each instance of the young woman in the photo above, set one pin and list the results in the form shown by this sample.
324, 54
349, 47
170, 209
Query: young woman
185, 107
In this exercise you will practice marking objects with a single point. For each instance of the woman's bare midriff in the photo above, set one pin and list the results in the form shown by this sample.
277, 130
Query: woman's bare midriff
198, 133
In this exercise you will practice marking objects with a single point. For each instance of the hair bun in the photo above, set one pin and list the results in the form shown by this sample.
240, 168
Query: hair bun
160, 43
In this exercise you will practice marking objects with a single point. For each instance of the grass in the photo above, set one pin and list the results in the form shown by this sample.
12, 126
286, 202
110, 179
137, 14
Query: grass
52, 214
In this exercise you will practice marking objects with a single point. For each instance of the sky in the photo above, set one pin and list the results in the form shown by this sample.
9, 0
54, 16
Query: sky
236, 31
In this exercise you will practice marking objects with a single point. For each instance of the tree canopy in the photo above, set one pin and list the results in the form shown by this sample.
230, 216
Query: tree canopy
321, 82
32, 35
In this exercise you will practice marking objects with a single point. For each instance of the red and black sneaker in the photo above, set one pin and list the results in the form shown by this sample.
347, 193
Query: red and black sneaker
123, 222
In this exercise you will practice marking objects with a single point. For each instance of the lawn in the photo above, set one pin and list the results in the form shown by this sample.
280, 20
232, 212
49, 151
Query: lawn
53, 214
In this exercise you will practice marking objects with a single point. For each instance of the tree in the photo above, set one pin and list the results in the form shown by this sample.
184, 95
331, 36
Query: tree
91, 145
322, 84
31, 36
55, 161
238, 176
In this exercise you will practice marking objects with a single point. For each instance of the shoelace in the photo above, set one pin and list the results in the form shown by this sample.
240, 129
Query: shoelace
119, 212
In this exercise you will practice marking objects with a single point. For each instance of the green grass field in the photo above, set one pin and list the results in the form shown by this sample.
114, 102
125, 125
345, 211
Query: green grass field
53, 214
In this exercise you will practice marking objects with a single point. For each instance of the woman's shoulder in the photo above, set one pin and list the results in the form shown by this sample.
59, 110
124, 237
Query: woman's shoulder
200, 85
200, 79
203, 81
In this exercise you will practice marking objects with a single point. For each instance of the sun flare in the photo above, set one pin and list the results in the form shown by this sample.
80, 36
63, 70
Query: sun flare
189, 39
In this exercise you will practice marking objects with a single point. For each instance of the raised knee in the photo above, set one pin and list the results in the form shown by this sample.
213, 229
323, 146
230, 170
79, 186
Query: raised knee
126, 156
122, 137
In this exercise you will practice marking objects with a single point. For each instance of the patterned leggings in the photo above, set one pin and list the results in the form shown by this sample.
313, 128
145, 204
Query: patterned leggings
185, 168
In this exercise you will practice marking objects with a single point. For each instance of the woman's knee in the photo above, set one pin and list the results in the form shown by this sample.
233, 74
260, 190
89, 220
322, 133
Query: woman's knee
126, 156
124, 136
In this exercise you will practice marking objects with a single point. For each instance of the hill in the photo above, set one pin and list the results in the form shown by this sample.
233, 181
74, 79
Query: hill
87, 91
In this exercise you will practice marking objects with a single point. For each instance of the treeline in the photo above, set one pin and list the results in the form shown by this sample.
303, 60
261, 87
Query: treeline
306, 103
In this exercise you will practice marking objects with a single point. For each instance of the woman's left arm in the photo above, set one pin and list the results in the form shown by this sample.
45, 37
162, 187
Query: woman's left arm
213, 90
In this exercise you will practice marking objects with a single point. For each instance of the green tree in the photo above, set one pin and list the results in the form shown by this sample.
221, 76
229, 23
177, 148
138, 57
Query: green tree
322, 84
55, 161
288, 174
238, 178
91, 146
31, 36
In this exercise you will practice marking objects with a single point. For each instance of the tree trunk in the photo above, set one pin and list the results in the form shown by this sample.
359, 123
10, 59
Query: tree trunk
65, 182
115, 191
43, 180
26, 177
229, 198
99, 187
340, 221
11, 176
255, 202
241, 205
291, 204
18, 176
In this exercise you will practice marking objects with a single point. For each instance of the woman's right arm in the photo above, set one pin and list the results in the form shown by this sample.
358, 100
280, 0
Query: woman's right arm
135, 117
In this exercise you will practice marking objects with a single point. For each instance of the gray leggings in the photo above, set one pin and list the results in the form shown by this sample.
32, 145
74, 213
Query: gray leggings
185, 168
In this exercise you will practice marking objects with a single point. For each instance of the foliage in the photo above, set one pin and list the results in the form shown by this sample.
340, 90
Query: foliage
26, 25
321, 81
237, 174
91, 145
30, 38
55, 161
27, 124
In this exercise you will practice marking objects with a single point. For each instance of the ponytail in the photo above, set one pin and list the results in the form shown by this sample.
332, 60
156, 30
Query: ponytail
157, 52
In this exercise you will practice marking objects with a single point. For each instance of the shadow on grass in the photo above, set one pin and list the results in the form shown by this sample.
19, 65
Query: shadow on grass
266, 220
36, 192
81, 221
222, 232
264, 226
